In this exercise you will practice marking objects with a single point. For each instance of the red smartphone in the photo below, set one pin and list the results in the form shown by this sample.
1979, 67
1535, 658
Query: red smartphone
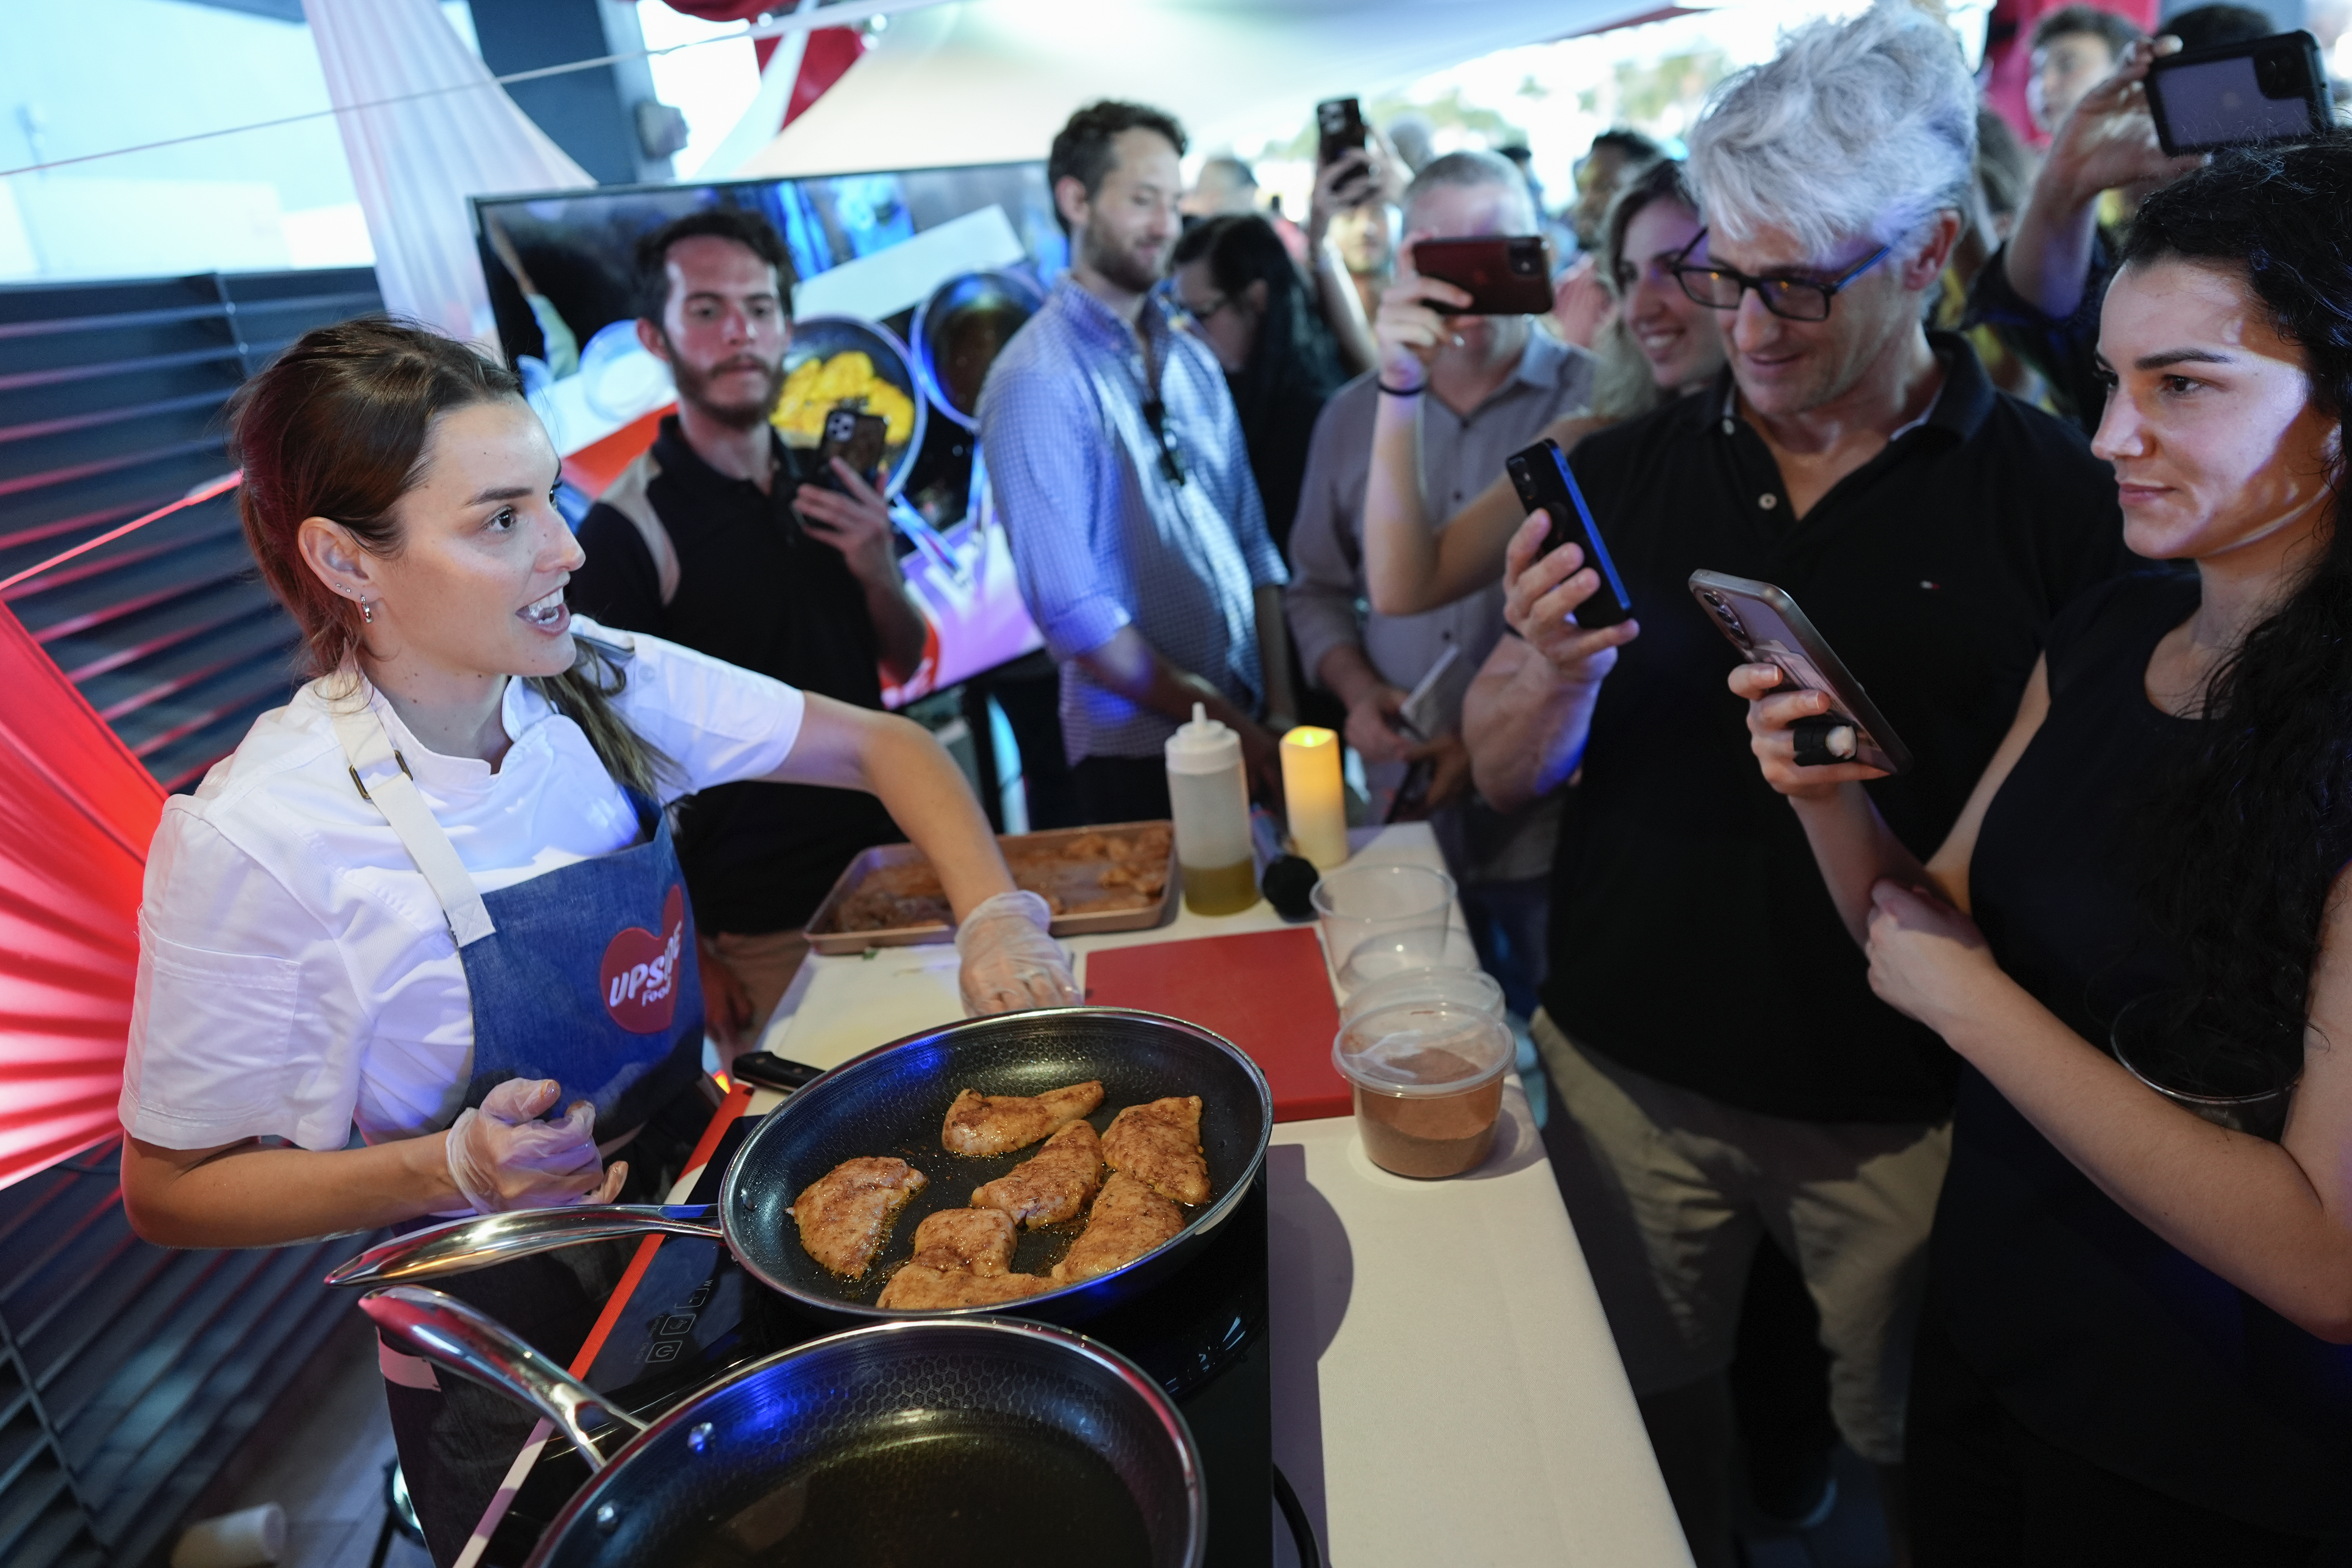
1505, 274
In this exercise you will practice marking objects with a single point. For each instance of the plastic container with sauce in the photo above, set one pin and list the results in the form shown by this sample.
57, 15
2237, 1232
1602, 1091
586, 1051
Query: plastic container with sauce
1428, 1082
1208, 795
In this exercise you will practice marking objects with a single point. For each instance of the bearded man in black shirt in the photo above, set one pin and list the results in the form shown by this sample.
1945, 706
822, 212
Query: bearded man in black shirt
1724, 1072
716, 539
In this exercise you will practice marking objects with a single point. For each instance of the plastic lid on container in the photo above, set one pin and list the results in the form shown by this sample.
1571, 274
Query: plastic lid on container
1203, 746
1470, 987
1425, 1048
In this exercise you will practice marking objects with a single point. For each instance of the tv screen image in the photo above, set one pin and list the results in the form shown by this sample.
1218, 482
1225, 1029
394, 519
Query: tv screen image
908, 284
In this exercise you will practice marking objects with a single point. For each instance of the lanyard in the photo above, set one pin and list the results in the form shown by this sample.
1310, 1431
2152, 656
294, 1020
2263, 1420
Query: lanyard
1155, 414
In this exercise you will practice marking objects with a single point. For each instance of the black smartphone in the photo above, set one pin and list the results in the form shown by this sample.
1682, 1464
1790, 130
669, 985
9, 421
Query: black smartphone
1505, 274
1541, 476
1339, 127
857, 438
1765, 624
2264, 89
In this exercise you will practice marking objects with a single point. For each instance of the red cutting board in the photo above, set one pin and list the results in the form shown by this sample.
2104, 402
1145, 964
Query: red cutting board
1267, 992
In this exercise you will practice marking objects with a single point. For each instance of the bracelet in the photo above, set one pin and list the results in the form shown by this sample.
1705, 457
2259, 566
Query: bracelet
1401, 391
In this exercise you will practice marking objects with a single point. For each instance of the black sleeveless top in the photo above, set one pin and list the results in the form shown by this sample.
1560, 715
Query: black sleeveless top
2099, 1336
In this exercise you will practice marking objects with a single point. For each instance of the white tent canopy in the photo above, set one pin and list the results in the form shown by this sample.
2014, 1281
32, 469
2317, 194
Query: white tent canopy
990, 81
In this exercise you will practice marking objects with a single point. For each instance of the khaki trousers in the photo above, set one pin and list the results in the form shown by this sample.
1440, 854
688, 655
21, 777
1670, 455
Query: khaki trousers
1671, 1191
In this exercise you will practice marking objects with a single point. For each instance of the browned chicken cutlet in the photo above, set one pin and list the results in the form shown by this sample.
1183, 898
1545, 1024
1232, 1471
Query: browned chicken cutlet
844, 1213
1159, 1146
920, 1287
1000, 1124
1129, 1219
1052, 1185
977, 1240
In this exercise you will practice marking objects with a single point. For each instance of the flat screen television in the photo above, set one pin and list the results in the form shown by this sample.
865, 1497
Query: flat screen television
907, 284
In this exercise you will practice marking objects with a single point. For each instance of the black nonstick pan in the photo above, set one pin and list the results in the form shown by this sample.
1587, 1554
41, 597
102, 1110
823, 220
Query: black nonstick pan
984, 1442
892, 1100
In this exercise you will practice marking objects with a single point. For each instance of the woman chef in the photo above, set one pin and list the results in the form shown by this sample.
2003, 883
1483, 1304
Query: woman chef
433, 897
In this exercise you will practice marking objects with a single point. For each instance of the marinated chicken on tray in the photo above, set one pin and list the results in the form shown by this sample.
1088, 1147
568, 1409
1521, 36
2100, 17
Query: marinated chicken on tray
1052, 1186
1159, 1146
1128, 1220
1000, 1124
961, 1259
844, 1213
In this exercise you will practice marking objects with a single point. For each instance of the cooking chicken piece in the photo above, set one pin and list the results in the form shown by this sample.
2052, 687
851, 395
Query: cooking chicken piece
1000, 1124
977, 1240
920, 1287
1052, 1185
1128, 1220
1159, 1144
844, 1213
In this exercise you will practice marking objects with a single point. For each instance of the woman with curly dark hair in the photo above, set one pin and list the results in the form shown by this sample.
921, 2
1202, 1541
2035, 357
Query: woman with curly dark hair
2138, 938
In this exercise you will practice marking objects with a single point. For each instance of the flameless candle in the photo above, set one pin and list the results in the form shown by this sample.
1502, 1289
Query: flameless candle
1316, 800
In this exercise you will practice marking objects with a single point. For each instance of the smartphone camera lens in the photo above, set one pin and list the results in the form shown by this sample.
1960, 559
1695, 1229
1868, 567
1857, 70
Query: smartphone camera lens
2274, 73
1725, 613
1523, 264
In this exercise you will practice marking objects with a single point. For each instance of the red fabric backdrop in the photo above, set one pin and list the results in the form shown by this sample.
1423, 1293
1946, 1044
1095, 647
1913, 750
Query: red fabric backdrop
77, 811
2009, 49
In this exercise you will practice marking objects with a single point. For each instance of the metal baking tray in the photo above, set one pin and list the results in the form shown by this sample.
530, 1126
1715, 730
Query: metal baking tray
827, 938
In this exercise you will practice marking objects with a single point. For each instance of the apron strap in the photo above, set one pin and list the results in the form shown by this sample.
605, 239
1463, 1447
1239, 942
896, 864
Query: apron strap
394, 793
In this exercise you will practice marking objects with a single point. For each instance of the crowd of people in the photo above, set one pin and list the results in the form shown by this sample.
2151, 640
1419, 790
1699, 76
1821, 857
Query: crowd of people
2048, 452
2051, 453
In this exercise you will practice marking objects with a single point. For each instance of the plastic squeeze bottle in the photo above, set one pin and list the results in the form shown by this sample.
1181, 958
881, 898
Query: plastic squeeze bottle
1209, 797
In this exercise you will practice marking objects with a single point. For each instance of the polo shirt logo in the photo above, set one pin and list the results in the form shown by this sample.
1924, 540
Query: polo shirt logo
639, 975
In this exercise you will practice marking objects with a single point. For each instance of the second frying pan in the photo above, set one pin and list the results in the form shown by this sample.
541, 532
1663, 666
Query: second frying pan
892, 1100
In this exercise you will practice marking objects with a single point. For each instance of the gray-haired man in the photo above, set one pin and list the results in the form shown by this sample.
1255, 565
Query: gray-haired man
1724, 1073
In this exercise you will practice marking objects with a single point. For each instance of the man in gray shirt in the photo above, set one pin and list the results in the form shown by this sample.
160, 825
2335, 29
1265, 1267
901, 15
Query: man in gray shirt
1492, 390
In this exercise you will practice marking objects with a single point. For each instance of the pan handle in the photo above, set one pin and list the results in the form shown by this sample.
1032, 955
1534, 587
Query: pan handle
446, 1332
462, 1245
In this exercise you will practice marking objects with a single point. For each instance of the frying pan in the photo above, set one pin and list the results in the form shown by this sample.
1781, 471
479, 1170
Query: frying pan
892, 1100
976, 1441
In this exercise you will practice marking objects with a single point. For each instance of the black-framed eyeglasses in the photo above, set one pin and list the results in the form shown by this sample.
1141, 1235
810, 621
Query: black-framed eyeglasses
1171, 454
1790, 299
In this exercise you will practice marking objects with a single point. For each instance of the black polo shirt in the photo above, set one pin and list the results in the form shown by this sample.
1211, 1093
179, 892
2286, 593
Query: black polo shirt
1692, 939
755, 590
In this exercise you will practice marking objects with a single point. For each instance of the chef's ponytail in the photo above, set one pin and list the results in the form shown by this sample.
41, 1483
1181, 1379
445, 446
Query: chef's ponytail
336, 427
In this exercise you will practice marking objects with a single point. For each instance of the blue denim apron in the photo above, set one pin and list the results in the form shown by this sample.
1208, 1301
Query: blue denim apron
585, 975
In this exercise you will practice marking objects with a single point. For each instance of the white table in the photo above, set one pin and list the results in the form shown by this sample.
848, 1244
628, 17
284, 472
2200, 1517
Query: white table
1445, 1390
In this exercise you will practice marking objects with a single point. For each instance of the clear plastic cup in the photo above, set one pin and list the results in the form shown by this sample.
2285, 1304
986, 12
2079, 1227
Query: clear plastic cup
1380, 920
1472, 988
1428, 1082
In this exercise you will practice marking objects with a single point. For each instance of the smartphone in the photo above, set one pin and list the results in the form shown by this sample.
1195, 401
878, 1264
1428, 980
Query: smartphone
857, 438
2264, 89
1765, 624
1339, 127
1540, 474
1506, 274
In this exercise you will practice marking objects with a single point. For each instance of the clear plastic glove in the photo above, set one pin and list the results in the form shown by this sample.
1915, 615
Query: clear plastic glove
1009, 960
502, 1157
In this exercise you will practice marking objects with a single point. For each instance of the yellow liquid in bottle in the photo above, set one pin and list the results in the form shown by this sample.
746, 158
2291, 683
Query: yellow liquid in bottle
1221, 889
